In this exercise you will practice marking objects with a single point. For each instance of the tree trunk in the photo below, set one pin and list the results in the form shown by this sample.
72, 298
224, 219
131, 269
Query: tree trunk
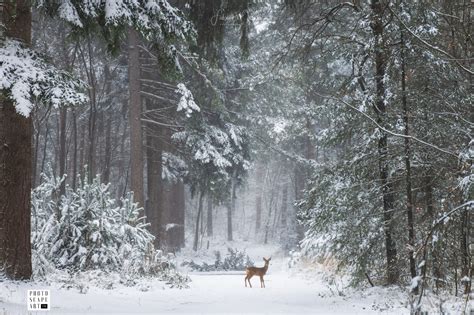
209, 216
379, 108
45, 147
91, 158
34, 165
258, 199
136, 144
176, 233
74, 157
155, 203
411, 229
284, 204
465, 258
230, 211
82, 149
108, 128
196, 231
62, 148
122, 160
16, 135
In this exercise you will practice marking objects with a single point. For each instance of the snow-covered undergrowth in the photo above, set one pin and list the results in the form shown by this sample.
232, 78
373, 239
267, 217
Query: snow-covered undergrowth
86, 236
255, 251
233, 260
379, 298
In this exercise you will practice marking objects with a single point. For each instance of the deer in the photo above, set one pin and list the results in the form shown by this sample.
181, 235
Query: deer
259, 271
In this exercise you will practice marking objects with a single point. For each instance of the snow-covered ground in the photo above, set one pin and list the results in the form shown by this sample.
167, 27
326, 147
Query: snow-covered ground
208, 293
303, 289
287, 291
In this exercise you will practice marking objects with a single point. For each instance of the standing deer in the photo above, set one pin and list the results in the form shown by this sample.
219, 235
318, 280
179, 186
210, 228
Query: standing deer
252, 271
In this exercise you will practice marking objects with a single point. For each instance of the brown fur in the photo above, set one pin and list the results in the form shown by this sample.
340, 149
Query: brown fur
259, 271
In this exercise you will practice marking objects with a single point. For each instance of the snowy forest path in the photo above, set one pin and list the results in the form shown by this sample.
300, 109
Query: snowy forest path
286, 291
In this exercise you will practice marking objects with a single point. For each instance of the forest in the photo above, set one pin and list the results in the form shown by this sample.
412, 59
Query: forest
158, 148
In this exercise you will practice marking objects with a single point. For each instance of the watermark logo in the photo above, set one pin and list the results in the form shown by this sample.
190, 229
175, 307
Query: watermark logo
38, 300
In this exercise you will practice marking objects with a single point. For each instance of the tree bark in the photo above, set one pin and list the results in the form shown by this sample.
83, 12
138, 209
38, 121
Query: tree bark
82, 149
135, 112
16, 135
108, 128
196, 231
62, 148
155, 202
230, 211
465, 257
177, 211
74, 156
258, 199
91, 157
379, 107
411, 229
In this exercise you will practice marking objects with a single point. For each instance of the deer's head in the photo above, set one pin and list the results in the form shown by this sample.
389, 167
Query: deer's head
267, 261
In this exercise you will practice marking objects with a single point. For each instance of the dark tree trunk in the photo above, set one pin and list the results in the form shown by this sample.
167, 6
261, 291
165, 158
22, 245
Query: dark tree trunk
258, 199
82, 149
411, 228
196, 231
135, 112
122, 164
16, 135
74, 156
34, 165
108, 128
45, 147
465, 257
176, 232
380, 111
108, 150
62, 148
91, 157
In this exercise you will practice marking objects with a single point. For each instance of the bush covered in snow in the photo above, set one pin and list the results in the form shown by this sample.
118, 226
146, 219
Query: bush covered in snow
86, 229
235, 260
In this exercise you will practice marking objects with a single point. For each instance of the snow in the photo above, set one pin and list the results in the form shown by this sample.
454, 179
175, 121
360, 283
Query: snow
67, 11
287, 291
262, 26
29, 79
186, 102
170, 226
415, 281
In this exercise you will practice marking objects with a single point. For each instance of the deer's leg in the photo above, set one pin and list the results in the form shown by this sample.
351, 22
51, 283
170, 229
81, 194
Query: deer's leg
248, 278
262, 284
